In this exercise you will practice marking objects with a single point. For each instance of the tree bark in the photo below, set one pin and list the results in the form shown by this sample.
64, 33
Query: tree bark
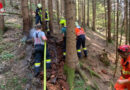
11, 3
50, 6
84, 11
88, 13
114, 20
35, 3
57, 4
71, 57
126, 22
129, 22
109, 20
30, 14
117, 27
94, 14
25, 14
2, 26
106, 22
39, 1
79, 12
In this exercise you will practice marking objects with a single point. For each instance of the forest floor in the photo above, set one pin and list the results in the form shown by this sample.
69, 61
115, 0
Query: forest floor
16, 72
15, 58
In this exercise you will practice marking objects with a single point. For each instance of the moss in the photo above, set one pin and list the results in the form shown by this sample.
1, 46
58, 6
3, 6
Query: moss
70, 76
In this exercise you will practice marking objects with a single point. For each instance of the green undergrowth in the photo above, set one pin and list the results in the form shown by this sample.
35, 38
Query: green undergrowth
14, 83
6, 56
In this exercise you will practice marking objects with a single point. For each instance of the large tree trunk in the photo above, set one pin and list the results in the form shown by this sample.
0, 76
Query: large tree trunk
126, 21
71, 57
94, 14
109, 20
50, 6
25, 14
88, 13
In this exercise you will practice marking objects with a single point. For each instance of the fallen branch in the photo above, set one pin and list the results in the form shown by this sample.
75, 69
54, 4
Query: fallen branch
90, 70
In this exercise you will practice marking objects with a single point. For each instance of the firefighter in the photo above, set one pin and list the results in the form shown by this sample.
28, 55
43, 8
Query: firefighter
63, 31
39, 38
124, 81
47, 19
80, 40
38, 14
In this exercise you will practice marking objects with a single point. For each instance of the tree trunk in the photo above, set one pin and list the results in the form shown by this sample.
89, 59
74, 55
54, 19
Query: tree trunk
117, 27
129, 22
126, 22
43, 14
25, 14
105, 21
50, 6
11, 3
79, 11
114, 20
31, 17
63, 9
88, 13
94, 14
71, 57
35, 3
76, 10
109, 20
84, 13
57, 3
2, 26
39, 1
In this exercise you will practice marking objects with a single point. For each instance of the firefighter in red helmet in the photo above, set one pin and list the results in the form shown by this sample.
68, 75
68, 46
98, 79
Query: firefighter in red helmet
124, 81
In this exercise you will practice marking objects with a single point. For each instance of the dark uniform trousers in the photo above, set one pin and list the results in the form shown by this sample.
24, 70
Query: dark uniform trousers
81, 41
39, 54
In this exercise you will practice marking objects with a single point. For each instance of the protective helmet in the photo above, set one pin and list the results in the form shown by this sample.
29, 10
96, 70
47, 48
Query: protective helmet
63, 21
77, 25
39, 5
124, 48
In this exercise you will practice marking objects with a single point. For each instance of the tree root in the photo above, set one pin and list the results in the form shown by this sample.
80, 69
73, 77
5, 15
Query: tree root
84, 77
90, 70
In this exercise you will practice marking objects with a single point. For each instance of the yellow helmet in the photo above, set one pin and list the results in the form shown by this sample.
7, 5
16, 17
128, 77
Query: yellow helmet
63, 21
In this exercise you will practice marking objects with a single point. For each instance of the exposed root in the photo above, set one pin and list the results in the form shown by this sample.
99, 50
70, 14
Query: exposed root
90, 70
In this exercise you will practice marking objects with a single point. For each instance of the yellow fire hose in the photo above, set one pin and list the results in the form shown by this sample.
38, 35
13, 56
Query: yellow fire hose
44, 81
